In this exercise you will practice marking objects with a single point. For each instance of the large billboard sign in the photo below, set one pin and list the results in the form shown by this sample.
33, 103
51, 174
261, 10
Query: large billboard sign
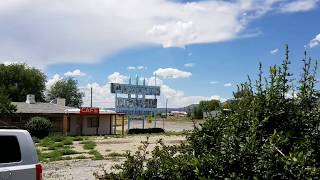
135, 103
137, 107
135, 89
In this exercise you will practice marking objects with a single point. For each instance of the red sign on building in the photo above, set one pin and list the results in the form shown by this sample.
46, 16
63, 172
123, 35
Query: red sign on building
89, 110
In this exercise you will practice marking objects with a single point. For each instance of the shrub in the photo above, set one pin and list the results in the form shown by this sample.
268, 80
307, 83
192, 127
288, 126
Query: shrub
89, 144
267, 135
68, 141
39, 127
96, 154
145, 131
78, 138
57, 138
68, 151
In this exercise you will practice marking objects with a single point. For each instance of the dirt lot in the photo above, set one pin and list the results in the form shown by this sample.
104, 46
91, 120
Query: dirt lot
112, 148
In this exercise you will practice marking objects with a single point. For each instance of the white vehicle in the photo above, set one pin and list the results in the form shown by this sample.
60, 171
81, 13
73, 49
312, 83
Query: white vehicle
18, 156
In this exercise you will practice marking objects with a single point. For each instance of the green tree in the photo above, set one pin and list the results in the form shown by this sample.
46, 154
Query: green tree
5, 105
18, 80
197, 113
68, 89
208, 106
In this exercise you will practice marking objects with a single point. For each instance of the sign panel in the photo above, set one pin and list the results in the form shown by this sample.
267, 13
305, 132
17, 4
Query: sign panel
135, 103
135, 89
137, 112
89, 111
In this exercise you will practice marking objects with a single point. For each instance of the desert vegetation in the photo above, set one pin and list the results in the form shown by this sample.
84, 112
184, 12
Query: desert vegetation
271, 132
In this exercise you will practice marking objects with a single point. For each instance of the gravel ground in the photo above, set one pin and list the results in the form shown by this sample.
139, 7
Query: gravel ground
74, 169
84, 169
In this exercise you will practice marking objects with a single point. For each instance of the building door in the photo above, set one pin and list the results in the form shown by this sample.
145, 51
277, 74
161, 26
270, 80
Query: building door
79, 126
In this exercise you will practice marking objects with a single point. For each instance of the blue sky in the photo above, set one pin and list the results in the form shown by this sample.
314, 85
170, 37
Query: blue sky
200, 53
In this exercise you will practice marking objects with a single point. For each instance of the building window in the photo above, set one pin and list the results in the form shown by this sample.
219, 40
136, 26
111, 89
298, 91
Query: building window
92, 122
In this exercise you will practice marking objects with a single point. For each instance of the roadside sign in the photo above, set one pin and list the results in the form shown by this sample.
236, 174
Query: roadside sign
89, 110
134, 89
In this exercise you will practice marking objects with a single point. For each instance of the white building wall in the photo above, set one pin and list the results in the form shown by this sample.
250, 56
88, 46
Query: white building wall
103, 129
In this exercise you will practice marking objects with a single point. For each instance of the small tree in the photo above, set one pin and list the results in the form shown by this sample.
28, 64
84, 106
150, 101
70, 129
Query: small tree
5, 105
39, 126
68, 89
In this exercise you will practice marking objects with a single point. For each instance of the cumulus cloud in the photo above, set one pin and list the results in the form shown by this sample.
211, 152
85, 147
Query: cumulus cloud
101, 95
82, 30
12, 62
53, 80
172, 73
189, 65
314, 42
274, 51
136, 67
141, 67
131, 68
116, 77
299, 6
227, 85
213, 82
75, 73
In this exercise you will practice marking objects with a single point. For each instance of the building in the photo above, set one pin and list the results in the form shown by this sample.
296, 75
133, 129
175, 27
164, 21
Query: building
93, 121
65, 120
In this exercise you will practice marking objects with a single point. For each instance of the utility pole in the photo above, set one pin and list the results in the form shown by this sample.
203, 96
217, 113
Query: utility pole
91, 97
155, 97
166, 108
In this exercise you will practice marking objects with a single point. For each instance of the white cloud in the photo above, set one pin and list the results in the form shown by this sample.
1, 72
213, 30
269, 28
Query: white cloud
82, 31
138, 67
213, 82
12, 62
101, 95
116, 77
189, 65
53, 80
315, 42
227, 85
131, 68
75, 73
177, 98
274, 51
141, 67
172, 73
189, 54
299, 6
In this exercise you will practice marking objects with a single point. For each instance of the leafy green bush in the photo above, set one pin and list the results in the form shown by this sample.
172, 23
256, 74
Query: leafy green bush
88, 144
67, 151
78, 138
96, 154
272, 132
39, 127
68, 141
57, 138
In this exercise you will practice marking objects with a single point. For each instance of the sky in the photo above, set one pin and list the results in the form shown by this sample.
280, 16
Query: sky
199, 50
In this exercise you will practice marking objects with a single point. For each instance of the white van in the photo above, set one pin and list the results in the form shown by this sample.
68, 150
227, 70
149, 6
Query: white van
18, 156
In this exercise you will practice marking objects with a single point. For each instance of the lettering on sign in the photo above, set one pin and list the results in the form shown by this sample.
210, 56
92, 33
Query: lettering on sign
134, 89
89, 110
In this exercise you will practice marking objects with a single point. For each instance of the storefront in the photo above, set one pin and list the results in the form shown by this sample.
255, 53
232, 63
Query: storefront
91, 121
